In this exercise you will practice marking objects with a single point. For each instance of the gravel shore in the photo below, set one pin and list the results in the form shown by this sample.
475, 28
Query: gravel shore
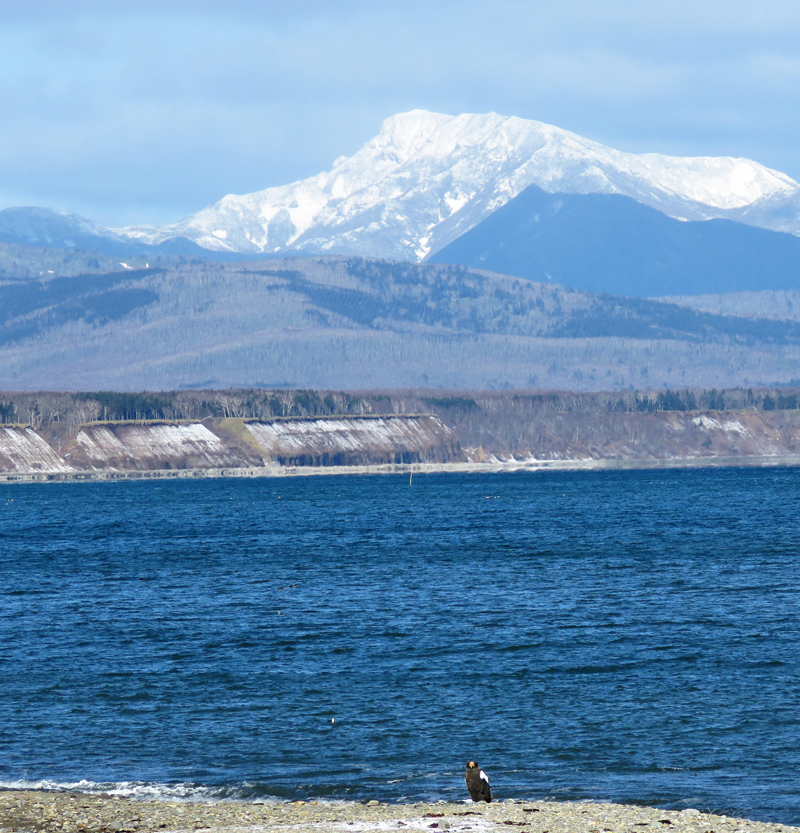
60, 812
419, 469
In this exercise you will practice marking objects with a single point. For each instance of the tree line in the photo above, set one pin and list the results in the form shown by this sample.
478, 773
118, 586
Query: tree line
43, 409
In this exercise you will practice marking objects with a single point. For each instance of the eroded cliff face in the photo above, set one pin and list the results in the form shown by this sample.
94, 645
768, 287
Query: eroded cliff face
226, 444
148, 447
659, 436
475, 436
22, 450
357, 441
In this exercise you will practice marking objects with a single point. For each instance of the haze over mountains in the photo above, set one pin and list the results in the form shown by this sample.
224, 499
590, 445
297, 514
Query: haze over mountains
43, 227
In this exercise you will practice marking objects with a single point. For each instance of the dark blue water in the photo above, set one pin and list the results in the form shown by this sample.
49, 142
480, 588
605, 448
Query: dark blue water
632, 636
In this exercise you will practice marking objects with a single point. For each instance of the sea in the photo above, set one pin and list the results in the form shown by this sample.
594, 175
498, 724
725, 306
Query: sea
625, 636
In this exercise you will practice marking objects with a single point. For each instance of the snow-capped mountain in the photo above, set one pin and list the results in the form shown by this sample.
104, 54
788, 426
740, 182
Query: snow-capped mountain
33, 226
427, 178
44, 227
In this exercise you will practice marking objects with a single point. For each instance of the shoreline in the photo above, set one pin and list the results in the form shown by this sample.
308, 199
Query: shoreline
493, 467
73, 812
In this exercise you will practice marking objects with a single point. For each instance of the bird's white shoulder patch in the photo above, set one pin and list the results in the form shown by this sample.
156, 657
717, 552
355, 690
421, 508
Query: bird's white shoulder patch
484, 776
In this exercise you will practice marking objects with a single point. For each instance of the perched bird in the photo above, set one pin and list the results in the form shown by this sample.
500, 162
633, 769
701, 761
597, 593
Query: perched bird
477, 783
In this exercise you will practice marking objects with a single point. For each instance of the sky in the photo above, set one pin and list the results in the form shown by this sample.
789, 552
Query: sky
149, 112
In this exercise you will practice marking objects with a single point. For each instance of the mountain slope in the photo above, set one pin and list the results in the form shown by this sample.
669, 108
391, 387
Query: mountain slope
427, 178
43, 227
356, 323
767, 304
611, 243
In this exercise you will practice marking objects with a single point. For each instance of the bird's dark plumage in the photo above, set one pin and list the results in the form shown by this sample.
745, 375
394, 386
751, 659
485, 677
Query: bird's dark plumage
477, 783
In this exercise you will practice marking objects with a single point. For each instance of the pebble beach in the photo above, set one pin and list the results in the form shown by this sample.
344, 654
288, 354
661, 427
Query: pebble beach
69, 812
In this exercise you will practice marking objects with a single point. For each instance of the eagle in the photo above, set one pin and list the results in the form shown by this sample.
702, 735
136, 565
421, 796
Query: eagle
477, 783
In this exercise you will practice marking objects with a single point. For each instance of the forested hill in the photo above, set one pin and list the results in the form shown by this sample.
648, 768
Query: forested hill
356, 323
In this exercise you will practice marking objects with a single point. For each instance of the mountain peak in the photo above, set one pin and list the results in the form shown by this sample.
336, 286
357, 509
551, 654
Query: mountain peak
407, 132
426, 178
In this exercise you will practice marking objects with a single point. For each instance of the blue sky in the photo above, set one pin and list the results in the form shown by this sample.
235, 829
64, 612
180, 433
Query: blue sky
150, 113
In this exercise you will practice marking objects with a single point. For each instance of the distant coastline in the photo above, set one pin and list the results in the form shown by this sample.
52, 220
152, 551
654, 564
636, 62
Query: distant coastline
403, 469
108, 436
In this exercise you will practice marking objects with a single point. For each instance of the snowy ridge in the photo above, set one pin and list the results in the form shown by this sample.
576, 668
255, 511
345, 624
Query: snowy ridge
427, 178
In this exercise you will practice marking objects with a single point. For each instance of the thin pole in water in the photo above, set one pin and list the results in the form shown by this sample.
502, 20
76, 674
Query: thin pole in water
411, 474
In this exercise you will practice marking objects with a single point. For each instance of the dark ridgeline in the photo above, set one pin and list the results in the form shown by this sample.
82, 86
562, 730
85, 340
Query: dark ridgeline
612, 243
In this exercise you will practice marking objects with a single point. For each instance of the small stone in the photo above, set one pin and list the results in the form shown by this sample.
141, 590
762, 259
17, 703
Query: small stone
373, 803
690, 812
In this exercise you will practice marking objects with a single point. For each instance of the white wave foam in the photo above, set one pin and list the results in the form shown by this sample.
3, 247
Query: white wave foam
189, 792
129, 789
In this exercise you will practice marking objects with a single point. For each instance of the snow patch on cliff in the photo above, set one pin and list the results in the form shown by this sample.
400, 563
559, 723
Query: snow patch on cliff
130, 446
23, 450
400, 439
730, 426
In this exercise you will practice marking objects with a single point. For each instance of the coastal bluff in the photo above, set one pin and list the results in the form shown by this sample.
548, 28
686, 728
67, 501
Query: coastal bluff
225, 446
257, 432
